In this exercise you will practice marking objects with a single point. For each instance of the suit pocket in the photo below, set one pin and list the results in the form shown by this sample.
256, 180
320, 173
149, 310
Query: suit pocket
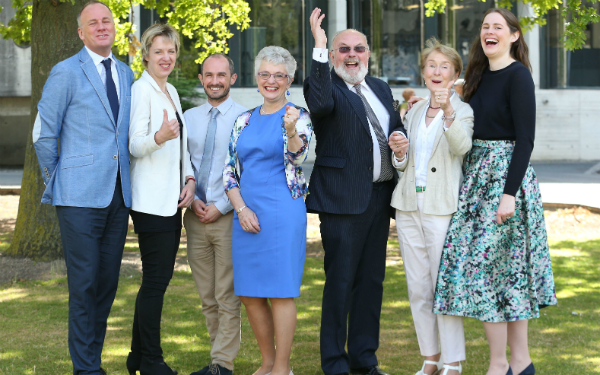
330, 161
77, 161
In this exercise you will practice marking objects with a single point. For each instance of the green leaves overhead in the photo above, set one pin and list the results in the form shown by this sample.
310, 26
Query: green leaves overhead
205, 21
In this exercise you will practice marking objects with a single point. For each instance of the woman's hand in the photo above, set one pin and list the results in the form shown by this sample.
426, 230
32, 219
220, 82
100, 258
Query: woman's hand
290, 119
168, 130
187, 194
442, 98
399, 144
506, 208
249, 221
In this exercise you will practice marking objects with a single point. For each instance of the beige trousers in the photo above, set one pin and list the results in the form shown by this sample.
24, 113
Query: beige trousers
209, 256
421, 239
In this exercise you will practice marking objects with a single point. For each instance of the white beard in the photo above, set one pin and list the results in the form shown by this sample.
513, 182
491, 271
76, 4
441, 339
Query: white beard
351, 78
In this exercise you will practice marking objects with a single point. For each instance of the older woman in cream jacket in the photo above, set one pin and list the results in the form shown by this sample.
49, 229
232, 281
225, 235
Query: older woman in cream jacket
439, 131
162, 184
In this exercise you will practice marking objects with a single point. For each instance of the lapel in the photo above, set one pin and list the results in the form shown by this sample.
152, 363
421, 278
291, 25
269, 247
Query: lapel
413, 134
125, 91
92, 75
355, 102
384, 99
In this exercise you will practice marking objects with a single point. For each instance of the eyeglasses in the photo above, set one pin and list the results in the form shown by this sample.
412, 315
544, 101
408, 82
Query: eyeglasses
278, 76
357, 49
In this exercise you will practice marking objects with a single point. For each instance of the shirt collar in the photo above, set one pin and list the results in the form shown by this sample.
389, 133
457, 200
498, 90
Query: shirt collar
97, 59
222, 108
363, 85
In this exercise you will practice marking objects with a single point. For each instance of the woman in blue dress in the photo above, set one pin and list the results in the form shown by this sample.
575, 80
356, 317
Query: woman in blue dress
264, 181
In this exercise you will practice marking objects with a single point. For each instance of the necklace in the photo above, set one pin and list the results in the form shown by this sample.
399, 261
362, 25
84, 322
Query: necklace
262, 110
430, 107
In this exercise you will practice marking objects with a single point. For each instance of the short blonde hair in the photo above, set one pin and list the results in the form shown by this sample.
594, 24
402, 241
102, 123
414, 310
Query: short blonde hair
433, 45
408, 93
158, 29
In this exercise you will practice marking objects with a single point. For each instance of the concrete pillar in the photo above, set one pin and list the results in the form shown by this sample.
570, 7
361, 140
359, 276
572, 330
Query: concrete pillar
135, 18
532, 38
338, 18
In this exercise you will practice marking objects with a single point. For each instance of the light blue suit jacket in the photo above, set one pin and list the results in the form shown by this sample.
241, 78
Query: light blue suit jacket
75, 109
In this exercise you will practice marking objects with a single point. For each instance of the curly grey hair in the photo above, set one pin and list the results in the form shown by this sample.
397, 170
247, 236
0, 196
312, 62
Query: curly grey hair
276, 55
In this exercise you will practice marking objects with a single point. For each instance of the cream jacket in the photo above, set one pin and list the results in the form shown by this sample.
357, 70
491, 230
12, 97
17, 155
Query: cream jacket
444, 175
155, 177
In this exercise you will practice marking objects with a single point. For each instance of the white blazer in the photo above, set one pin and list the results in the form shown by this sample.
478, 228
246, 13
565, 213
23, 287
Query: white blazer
444, 175
155, 179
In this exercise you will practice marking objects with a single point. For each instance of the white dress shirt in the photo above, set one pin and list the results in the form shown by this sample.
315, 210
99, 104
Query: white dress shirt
97, 59
424, 146
320, 55
198, 120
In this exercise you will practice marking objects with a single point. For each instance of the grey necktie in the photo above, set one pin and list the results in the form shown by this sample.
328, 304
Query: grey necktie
209, 145
387, 171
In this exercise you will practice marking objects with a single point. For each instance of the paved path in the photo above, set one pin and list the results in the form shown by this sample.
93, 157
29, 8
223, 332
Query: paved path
569, 183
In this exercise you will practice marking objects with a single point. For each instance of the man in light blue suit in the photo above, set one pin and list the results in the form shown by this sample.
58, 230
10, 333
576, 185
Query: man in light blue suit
86, 104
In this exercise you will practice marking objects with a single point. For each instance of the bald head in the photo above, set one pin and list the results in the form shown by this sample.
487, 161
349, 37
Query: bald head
344, 33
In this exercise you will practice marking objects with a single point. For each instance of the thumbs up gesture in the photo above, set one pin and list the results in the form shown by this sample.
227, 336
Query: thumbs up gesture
168, 130
442, 98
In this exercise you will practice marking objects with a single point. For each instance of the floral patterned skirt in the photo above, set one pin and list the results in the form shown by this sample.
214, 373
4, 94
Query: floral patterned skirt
488, 271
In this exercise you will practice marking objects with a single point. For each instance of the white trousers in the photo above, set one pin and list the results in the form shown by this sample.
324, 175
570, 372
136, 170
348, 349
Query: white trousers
421, 239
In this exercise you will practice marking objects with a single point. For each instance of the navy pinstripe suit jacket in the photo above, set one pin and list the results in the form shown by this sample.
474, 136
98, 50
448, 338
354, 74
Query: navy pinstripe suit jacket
342, 179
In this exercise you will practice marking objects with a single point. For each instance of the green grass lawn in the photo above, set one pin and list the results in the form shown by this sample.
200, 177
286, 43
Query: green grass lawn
566, 340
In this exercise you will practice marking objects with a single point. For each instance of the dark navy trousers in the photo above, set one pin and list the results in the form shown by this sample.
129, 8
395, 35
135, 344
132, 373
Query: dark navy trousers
355, 251
93, 241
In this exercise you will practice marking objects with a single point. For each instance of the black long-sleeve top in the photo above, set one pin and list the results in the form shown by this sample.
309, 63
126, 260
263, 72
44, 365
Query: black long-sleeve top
504, 109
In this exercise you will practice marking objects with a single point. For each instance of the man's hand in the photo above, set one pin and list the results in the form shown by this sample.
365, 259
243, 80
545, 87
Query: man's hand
412, 101
315, 25
199, 208
211, 214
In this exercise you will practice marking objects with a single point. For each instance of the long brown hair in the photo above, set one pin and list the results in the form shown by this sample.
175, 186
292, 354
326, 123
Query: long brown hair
478, 61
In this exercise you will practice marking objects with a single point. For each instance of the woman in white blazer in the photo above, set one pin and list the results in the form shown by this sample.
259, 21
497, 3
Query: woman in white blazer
162, 184
439, 130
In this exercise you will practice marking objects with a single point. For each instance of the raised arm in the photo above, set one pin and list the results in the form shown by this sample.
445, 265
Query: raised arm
317, 87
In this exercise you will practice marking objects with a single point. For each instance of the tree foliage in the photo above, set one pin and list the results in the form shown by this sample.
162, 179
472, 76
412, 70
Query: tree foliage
205, 21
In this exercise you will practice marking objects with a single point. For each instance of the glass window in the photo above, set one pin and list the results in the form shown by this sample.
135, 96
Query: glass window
562, 68
283, 23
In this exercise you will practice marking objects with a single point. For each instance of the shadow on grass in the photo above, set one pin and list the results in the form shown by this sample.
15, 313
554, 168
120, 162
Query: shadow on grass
33, 324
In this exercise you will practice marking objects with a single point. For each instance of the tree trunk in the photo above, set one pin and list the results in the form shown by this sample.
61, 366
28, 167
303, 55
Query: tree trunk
53, 38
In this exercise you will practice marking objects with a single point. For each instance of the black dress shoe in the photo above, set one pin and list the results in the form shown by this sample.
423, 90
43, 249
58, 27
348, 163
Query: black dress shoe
148, 367
373, 370
214, 369
133, 362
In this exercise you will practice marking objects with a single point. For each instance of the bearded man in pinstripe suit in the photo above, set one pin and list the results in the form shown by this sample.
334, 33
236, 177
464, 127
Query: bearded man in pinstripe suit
351, 188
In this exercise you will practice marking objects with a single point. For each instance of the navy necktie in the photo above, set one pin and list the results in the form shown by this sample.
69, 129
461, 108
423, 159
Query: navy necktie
111, 90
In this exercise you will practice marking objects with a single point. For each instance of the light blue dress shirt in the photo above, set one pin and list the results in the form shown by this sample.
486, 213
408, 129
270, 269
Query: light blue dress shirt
197, 120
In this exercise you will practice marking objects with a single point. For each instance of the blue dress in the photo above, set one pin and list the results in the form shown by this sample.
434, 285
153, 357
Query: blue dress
268, 264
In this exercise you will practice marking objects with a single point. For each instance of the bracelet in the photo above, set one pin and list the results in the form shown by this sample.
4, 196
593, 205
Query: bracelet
293, 135
190, 178
451, 117
240, 210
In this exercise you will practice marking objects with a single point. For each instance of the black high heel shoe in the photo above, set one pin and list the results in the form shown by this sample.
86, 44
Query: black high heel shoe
148, 367
133, 362
530, 370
